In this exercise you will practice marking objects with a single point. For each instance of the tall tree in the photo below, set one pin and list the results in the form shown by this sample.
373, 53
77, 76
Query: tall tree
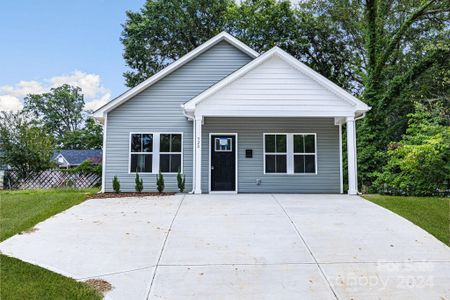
26, 148
164, 30
60, 112
395, 44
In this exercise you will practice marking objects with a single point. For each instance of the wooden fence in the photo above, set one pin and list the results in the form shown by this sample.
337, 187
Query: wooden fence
51, 179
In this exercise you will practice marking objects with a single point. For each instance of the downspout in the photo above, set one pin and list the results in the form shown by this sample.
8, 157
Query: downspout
191, 118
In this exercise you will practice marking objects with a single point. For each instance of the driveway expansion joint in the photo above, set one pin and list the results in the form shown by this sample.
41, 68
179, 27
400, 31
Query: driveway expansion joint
306, 245
164, 246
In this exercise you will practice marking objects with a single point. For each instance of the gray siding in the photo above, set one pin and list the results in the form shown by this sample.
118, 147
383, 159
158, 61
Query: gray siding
250, 136
157, 109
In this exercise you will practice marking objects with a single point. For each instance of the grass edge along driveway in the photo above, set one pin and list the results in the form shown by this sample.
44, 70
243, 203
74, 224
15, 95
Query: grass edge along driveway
19, 211
430, 213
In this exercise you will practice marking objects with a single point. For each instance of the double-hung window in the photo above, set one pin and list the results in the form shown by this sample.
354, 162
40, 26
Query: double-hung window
275, 154
290, 153
170, 152
154, 152
141, 153
304, 153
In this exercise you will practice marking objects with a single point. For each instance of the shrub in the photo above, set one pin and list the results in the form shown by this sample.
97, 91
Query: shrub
420, 163
87, 167
139, 184
160, 182
116, 184
181, 180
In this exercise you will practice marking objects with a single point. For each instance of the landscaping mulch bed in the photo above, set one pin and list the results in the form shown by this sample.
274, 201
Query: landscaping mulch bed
129, 194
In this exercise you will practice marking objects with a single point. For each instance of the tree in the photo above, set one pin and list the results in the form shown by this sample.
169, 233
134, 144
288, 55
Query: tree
26, 147
164, 30
60, 113
88, 137
59, 110
395, 44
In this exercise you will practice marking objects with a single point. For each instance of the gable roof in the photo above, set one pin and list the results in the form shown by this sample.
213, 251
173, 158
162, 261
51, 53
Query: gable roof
357, 105
76, 157
223, 36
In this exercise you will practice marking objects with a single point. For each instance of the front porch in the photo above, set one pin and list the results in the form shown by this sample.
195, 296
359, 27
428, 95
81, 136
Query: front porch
250, 166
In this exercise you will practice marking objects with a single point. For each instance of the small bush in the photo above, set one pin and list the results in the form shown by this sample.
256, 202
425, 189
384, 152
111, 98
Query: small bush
116, 184
160, 182
181, 180
139, 183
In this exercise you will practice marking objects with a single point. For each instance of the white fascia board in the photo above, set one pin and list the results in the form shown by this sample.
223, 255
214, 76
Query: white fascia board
357, 104
223, 36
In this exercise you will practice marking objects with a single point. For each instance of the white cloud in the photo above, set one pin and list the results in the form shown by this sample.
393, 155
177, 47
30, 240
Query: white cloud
10, 103
95, 94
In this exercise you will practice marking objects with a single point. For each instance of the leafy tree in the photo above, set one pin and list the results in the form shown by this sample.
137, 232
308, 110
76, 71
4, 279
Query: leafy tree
397, 46
88, 137
420, 163
60, 112
26, 148
165, 30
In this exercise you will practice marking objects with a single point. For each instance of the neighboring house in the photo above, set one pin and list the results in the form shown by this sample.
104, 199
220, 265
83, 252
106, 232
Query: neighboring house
232, 120
73, 158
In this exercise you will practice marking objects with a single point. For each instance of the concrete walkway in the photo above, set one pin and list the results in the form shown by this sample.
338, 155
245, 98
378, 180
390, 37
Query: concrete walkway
241, 247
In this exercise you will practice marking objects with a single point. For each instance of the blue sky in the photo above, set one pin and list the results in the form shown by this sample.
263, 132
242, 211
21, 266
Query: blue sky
45, 43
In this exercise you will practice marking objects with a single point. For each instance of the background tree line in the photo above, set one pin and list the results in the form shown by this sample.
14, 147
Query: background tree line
394, 55
48, 122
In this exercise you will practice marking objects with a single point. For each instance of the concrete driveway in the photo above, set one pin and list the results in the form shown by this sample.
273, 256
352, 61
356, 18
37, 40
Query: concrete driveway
241, 247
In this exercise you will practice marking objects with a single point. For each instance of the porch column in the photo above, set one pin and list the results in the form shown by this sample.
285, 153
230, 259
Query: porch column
351, 156
198, 155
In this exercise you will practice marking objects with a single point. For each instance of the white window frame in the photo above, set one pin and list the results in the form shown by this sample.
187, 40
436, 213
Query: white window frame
305, 153
155, 152
159, 153
230, 140
276, 153
148, 153
289, 153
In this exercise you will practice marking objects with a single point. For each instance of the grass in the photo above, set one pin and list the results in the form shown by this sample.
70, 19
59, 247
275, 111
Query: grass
429, 213
19, 211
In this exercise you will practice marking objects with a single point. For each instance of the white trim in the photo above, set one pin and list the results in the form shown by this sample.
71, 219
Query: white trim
274, 153
290, 153
156, 138
105, 124
223, 36
220, 150
356, 104
341, 177
66, 164
351, 157
236, 148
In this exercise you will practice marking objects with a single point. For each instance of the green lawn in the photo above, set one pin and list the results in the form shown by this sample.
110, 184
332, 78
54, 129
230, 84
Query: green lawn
19, 211
430, 213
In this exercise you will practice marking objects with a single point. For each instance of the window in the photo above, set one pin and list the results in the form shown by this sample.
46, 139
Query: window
304, 153
223, 145
141, 153
170, 152
275, 153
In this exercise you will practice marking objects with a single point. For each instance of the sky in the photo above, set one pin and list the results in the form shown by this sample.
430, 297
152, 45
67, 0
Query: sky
46, 43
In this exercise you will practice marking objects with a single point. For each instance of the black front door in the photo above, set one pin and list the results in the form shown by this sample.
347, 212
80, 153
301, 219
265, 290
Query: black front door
223, 163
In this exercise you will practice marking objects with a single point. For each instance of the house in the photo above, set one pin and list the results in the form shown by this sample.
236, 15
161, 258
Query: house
232, 120
73, 158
